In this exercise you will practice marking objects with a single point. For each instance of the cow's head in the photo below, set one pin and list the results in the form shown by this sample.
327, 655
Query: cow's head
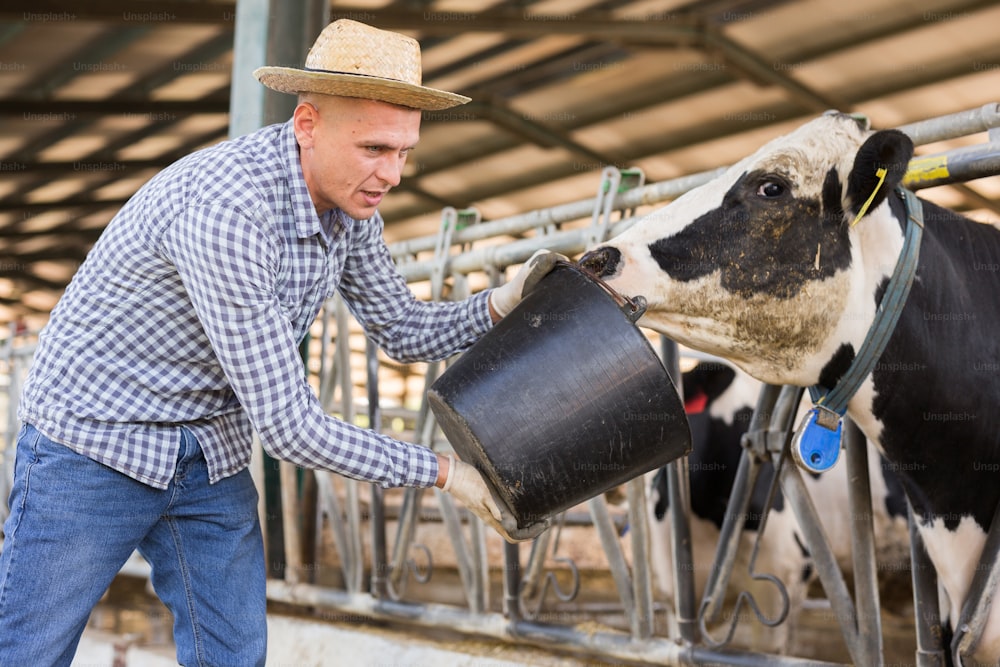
762, 265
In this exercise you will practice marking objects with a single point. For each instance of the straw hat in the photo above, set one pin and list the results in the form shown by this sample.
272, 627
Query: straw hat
355, 60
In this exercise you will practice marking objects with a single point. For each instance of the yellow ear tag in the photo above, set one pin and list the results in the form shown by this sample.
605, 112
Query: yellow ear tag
864, 208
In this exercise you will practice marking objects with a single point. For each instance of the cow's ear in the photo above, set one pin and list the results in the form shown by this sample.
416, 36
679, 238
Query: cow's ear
890, 150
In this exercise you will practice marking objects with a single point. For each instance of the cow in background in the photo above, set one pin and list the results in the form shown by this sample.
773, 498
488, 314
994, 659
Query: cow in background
720, 400
780, 264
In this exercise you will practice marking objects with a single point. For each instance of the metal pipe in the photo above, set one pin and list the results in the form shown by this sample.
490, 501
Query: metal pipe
329, 503
866, 594
953, 125
679, 496
961, 164
406, 527
290, 517
747, 474
517, 225
829, 573
379, 583
463, 559
531, 580
612, 549
642, 588
930, 649
512, 581
609, 645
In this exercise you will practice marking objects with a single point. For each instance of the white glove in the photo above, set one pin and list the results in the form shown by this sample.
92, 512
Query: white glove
466, 484
504, 298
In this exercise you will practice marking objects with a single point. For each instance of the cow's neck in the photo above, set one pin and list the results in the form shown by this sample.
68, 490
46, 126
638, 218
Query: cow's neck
834, 398
935, 391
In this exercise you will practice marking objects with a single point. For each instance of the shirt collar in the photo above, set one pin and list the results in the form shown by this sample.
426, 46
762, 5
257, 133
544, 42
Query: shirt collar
307, 222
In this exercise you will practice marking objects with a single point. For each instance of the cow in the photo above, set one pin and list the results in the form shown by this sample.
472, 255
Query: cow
719, 401
779, 265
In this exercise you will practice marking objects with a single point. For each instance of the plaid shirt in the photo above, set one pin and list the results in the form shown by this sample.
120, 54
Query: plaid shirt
189, 310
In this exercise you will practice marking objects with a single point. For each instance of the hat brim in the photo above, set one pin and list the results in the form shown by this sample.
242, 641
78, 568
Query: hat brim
292, 80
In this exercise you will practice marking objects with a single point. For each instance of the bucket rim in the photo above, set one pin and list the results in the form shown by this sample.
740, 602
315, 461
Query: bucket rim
636, 305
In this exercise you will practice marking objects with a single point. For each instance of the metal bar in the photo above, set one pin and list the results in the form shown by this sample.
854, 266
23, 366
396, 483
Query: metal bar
480, 588
961, 164
829, 573
343, 352
747, 475
352, 511
354, 565
616, 560
463, 559
327, 357
866, 593
642, 586
953, 125
290, 521
246, 107
330, 504
512, 581
533, 572
930, 649
406, 527
579, 210
379, 582
609, 645
679, 495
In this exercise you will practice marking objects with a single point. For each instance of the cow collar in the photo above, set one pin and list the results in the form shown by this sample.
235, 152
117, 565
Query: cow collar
817, 450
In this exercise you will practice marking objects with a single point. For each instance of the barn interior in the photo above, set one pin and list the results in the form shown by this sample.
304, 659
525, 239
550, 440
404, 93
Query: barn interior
97, 97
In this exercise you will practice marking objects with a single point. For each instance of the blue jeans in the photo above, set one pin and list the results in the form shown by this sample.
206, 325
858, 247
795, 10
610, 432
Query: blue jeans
74, 522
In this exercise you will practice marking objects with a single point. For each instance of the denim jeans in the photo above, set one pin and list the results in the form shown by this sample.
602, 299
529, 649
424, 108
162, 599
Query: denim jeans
74, 522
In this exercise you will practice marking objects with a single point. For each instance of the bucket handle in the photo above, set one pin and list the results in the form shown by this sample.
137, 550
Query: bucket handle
633, 307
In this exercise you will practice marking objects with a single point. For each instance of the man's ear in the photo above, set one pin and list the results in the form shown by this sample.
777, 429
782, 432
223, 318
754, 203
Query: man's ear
887, 149
304, 120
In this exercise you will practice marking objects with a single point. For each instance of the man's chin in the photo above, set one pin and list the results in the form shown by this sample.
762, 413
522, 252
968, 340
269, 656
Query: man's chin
359, 212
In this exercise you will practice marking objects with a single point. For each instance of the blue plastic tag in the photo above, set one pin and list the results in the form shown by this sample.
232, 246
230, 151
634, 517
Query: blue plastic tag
816, 447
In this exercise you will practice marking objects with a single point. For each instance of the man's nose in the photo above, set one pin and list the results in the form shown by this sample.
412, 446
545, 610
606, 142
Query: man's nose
390, 170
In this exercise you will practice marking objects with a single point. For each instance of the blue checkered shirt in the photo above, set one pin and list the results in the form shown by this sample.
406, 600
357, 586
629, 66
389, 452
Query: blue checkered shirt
189, 310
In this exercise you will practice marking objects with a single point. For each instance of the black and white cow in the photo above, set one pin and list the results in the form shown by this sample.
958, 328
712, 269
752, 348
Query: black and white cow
720, 401
763, 266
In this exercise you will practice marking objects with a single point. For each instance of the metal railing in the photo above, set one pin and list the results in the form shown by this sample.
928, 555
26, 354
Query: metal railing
326, 517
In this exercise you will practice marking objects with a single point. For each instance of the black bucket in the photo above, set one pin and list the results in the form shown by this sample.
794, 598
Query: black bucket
562, 400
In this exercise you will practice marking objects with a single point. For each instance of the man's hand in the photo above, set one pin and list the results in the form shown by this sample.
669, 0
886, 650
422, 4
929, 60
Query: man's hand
466, 484
504, 298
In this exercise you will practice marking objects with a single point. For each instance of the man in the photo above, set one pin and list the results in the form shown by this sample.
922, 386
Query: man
178, 337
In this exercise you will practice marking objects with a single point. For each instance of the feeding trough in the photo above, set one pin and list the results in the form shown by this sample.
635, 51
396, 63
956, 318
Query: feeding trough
562, 400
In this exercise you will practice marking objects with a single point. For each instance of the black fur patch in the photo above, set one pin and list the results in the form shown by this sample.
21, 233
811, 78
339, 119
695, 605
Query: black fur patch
836, 367
761, 244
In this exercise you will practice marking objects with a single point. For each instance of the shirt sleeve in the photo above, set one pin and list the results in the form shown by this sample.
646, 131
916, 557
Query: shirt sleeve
406, 328
228, 262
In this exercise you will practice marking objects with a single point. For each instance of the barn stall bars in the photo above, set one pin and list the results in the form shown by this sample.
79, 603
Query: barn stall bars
394, 566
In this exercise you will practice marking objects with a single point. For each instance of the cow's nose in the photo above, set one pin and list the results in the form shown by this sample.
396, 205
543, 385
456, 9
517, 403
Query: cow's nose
602, 262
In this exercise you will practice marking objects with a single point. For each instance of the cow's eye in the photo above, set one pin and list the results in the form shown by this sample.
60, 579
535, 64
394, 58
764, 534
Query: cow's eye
770, 189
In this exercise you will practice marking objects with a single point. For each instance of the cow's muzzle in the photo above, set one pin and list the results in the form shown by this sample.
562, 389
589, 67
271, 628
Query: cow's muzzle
602, 262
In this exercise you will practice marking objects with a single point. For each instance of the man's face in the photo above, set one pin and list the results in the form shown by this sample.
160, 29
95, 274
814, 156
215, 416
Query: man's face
353, 150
